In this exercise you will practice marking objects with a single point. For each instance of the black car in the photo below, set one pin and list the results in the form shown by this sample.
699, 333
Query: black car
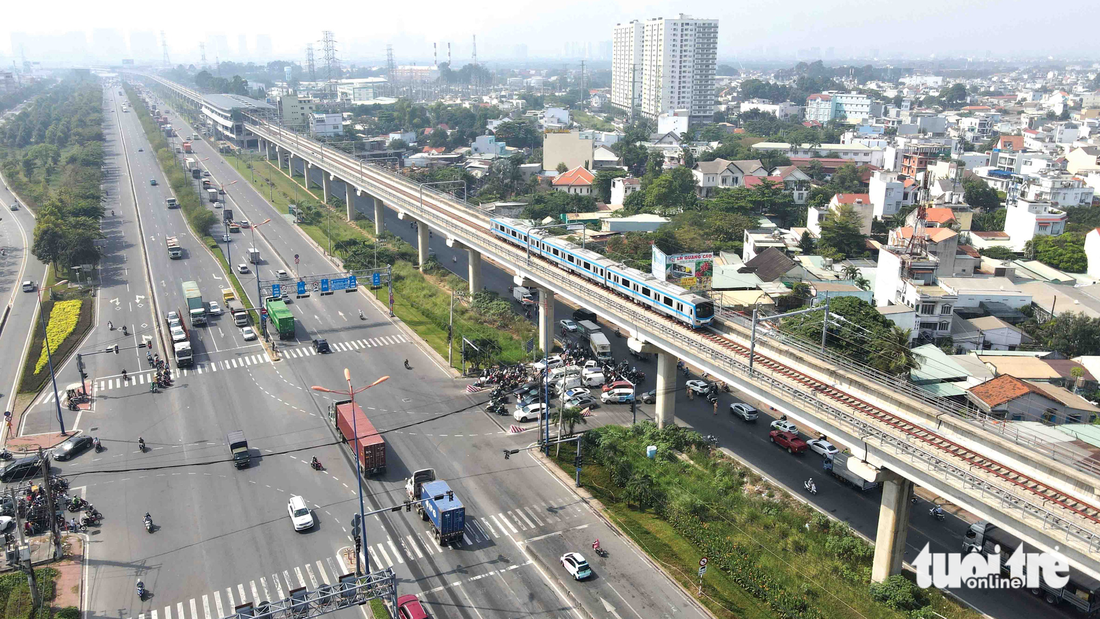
321, 346
23, 468
72, 447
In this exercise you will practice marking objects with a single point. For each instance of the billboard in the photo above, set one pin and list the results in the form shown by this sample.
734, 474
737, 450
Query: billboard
685, 270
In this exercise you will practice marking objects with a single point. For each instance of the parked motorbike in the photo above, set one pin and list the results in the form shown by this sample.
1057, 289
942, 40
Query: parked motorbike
5, 455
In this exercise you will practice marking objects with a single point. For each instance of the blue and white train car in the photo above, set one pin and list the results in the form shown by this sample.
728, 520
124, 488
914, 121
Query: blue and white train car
643, 288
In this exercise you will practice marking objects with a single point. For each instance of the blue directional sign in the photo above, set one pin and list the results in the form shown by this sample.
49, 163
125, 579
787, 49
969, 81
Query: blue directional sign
302, 288
276, 290
324, 285
352, 283
376, 279
340, 283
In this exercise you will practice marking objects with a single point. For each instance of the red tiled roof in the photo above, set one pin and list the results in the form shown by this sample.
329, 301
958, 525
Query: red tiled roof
753, 181
437, 150
1004, 388
811, 123
939, 215
851, 198
820, 96
969, 250
936, 234
577, 177
1014, 142
990, 235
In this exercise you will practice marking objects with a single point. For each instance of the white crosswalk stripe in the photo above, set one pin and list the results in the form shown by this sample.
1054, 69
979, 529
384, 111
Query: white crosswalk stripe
525, 518
432, 542
240, 591
321, 571
167, 612
255, 593
194, 610
206, 606
416, 549
533, 514
385, 556
516, 520
263, 583
490, 527
312, 578
179, 610
231, 599
395, 552
278, 586
153, 614
373, 556
217, 604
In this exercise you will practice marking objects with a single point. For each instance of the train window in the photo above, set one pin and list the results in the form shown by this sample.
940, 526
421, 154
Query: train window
645, 291
668, 301
587, 267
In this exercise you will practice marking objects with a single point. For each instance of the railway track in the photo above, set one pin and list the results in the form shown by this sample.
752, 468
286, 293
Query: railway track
1047, 495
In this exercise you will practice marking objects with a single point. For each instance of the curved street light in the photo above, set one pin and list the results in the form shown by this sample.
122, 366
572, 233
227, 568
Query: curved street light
351, 391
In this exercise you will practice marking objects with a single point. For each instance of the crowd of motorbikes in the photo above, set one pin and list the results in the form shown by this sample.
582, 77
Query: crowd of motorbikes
31, 505
163, 377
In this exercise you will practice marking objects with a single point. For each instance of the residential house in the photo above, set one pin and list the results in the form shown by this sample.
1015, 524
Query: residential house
943, 243
908, 276
1083, 159
759, 239
576, 181
1092, 251
987, 333
642, 222
860, 203
888, 194
1010, 143
772, 265
1011, 399
782, 111
326, 125
794, 180
724, 174
622, 187
852, 153
604, 158
569, 147
1026, 219
852, 107
488, 145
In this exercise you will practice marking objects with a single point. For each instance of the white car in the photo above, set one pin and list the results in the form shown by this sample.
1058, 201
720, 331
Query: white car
178, 334
299, 513
574, 392
822, 446
215, 309
281, 274
248, 334
568, 326
173, 316
553, 361
242, 268
575, 564
784, 426
699, 387
529, 412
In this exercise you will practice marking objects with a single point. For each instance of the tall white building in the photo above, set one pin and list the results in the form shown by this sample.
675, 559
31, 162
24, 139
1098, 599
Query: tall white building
675, 60
626, 66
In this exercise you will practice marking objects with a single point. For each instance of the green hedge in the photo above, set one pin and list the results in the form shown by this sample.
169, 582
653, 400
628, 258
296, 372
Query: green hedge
32, 382
15, 594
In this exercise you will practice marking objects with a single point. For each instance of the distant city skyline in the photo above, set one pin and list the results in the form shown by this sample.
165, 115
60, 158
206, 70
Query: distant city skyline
524, 31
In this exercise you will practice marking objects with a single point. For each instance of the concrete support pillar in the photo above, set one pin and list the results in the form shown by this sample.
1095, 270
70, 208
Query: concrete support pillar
546, 319
349, 200
473, 258
893, 523
422, 243
666, 389
326, 185
279, 156
379, 225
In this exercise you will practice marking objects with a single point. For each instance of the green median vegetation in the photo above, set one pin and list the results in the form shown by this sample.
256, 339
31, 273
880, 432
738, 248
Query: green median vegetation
769, 554
199, 217
421, 300
52, 160
15, 596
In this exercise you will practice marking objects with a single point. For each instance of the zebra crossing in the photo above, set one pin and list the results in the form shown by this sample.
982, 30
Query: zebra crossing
349, 346
388, 553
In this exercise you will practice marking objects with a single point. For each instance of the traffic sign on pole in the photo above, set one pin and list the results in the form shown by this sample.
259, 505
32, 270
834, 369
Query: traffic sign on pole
703, 562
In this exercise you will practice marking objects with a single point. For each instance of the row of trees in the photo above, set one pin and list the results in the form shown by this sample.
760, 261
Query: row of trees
53, 158
864, 335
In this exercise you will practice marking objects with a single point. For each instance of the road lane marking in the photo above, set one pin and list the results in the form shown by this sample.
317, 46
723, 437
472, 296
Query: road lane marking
505, 521
217, 604
533, 515
395, 552
373, 556
301, 581
229, 595
516, 520
525, 518
263, 583
490, 527
194, 609
322, 572
242, 595
385, 556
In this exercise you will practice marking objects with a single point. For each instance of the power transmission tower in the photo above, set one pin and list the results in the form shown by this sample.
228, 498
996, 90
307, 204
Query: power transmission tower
332, 64
164, 47
391, 68
476, 77
202, 55
309, 63
584, 81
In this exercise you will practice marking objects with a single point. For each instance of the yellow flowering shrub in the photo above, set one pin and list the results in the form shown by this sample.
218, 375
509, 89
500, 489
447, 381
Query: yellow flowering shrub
63, 319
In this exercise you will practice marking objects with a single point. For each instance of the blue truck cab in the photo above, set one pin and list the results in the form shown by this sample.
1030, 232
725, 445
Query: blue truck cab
444, 510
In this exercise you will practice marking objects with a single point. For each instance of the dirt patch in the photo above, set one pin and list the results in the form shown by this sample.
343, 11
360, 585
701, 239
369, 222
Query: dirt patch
70, 572
30, 444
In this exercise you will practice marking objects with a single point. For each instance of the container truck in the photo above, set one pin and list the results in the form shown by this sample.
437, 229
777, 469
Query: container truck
238, 446
234, 307
195, 309
586, 328
837, 466
187, 147
212, 195
439, 505
174, 251
359, 432
1081, 592
253, 255
600, 346
280, 318
184, 356
190, 162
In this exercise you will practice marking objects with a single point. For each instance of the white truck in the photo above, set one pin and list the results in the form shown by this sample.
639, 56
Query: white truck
523, 295
600, 346
174, 250
171, 203
253, 255
212, 195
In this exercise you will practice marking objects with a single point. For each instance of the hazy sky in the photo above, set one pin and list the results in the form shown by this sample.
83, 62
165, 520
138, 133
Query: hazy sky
746, 29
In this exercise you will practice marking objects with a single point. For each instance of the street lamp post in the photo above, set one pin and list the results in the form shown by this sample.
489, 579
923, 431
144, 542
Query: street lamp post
259, 295
49, 356
455, 294
358, 465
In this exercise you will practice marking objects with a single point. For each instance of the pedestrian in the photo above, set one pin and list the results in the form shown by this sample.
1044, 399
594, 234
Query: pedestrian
691, 394
716, 406
72, 524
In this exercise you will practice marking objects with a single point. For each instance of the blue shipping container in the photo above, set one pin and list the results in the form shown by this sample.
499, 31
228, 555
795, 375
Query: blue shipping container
447, 515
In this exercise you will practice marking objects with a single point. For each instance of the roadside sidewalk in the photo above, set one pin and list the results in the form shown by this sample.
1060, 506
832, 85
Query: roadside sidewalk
70, 578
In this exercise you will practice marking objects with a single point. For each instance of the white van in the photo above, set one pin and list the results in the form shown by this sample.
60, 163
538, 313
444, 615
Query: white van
567, 382
593, 379
556, 374
28, 286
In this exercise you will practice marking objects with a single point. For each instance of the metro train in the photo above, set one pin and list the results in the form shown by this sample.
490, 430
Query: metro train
668, 299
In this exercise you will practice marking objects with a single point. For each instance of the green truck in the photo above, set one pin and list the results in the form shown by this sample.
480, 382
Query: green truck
281, 318
195, 308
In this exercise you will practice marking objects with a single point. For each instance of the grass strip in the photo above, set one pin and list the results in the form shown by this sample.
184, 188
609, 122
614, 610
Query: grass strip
770, 554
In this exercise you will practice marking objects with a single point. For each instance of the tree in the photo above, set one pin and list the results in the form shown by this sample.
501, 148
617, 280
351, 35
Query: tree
847, 179
398, 144
672, 192
998, 253
863, 334
567, 421
850, 271
891, 352
562, 168
518, 134
1065, 252
806, 243
49, 239
955, 94
1072, 334
840, 234
978, 194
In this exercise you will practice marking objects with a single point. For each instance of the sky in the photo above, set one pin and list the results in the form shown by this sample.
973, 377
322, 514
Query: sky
506, 28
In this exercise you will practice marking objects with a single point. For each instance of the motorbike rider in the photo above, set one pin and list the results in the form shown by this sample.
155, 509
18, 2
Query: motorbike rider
596, 545
141, 443
315, 463
407, 366
124, 379
361, 316
95, 443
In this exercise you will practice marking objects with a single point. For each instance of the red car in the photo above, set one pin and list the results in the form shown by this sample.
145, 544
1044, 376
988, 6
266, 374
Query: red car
408, 607
789, 440
619, 383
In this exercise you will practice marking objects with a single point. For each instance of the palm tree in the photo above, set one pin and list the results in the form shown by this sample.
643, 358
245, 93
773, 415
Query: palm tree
862, 283
891, 352
851, 271
569, 418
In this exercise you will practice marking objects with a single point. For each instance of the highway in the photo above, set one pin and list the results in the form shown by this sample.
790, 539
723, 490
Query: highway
223, 536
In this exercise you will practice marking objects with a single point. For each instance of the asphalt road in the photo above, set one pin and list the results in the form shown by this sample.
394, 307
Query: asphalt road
223, 536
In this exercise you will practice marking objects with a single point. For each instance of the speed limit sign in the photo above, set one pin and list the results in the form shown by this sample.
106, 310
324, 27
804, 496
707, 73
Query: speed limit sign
703, 562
